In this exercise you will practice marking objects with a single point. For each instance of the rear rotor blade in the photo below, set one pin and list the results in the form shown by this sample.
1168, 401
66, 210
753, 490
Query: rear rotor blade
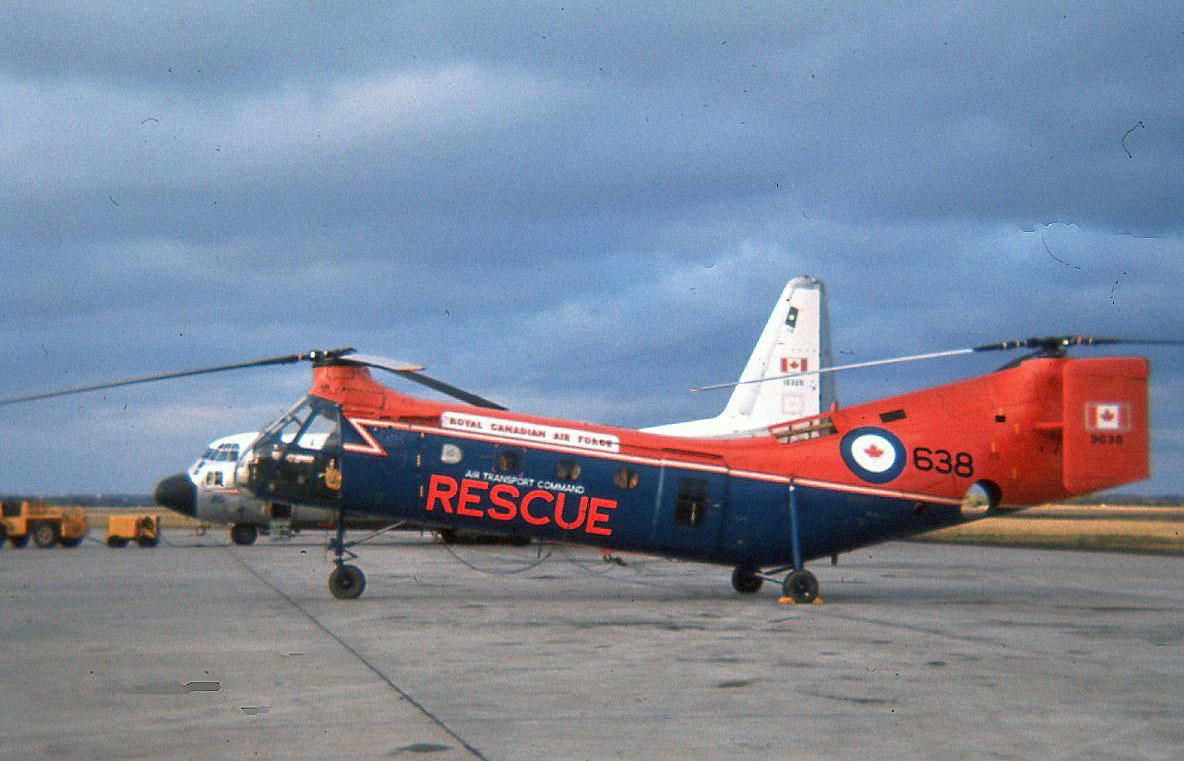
837, 368
1060, 343
1055, 345
287, 359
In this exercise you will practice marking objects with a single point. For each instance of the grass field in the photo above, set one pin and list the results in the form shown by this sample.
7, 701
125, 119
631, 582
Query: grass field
1080, 527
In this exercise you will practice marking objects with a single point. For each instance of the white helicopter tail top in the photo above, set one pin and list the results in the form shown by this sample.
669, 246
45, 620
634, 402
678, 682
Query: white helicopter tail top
795, 339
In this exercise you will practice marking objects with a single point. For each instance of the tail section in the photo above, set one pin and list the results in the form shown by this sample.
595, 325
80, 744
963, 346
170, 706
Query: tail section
795, 339
1104, 414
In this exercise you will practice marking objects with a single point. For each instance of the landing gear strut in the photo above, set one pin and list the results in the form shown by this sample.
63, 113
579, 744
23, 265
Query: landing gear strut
800, 586
346, 582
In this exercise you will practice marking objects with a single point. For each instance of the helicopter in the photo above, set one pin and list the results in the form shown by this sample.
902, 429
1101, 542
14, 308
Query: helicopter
1043, 427
797, 333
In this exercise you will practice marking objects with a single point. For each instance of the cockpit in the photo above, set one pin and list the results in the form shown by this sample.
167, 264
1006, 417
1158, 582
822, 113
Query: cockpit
297, 459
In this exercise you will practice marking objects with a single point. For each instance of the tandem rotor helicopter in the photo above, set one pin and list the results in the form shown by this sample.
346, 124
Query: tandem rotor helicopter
1043, 427
796, 333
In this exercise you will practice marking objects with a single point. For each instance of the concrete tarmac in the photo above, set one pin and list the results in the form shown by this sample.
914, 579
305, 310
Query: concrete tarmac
197, 650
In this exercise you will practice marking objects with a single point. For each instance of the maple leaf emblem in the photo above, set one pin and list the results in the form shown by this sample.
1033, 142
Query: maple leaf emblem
1107, 415
873, 451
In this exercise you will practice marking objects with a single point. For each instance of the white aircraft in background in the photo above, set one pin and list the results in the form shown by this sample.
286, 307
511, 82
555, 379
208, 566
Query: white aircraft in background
795, 339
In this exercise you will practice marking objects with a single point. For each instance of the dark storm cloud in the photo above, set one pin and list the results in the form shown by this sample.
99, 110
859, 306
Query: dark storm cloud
581, 203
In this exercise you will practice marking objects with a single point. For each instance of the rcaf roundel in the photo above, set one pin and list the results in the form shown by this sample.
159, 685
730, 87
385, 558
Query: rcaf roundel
873, 454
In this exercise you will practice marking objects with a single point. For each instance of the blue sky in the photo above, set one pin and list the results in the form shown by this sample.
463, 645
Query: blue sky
578, 209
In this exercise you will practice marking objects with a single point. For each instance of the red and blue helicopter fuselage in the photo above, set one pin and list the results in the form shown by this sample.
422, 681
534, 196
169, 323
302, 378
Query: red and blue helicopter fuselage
1044, 429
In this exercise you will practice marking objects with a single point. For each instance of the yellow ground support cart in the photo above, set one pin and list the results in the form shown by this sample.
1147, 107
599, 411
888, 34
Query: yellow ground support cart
46, 524
144, 530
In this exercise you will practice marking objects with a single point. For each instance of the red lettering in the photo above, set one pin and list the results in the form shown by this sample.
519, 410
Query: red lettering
441, 489
467, 487
508, 503
495, 496
563, 524
595, 516
531, 496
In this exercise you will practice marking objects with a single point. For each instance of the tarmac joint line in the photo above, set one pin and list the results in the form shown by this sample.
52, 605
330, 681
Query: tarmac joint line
362, 659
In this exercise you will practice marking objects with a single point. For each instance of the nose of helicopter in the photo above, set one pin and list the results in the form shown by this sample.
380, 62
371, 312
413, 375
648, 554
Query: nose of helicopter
178, 493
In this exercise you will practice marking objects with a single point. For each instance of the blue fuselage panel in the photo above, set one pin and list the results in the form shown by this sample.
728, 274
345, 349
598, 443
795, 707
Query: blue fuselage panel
704, 514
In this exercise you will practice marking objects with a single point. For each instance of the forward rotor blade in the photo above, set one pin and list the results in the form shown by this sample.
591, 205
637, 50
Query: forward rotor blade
382, 363
286, 359
456, 393
412, 373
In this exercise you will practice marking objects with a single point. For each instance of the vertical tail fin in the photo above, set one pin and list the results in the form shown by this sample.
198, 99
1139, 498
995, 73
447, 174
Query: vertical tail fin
1104, 414
796, 338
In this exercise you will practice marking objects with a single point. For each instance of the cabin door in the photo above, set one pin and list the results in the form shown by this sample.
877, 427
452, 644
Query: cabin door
690, 511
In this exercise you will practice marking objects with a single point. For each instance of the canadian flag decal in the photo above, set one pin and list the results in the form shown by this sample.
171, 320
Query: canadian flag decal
793, 365
1107, 416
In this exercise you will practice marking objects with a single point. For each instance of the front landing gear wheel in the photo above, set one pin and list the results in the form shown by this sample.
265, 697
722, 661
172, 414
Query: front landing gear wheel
243, 534
347, 582
801, 587
745, 579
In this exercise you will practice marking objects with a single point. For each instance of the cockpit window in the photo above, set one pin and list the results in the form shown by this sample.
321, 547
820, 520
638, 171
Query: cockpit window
225, 453
297, 458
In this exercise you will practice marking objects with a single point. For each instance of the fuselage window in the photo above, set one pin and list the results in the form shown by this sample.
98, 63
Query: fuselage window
625, 478
451, 454
691, 507
567, 470
508, 461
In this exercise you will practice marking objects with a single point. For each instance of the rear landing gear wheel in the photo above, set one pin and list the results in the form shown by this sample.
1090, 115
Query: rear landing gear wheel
801, 586
241, 533
745, 579
347, 582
